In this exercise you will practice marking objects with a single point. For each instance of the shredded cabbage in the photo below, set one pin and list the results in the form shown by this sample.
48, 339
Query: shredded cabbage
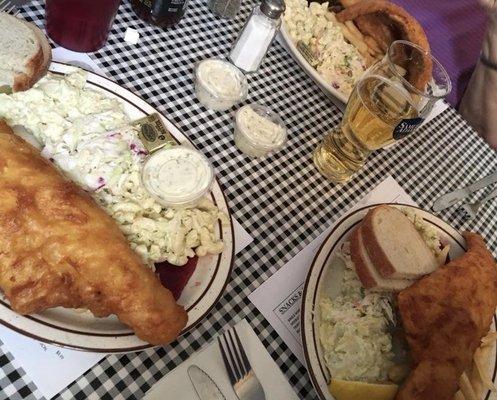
88, 136
429, 234
353, 330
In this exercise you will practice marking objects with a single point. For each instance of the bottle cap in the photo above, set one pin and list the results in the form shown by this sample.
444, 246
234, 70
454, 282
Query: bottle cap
273, 8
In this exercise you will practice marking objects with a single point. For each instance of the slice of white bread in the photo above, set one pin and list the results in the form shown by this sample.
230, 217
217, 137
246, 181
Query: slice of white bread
395, 246
25, 53
366, 270
45, 47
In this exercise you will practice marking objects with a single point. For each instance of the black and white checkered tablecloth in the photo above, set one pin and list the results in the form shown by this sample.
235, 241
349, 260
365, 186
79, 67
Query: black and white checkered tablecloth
281, 201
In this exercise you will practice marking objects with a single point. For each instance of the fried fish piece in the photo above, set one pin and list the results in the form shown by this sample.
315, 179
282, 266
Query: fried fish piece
59, 248
445, 315
387, 22
379, 27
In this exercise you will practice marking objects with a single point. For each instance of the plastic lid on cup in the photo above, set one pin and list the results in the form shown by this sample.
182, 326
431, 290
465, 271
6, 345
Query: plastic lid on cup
179, 176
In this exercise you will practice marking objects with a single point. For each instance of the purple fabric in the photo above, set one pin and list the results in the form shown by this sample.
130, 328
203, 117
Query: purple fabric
455, 31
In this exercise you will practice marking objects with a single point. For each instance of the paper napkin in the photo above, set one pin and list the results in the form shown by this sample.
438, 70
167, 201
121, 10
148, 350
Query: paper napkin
176, 385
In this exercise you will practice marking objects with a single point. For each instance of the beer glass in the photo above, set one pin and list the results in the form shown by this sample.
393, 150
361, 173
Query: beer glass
388, 102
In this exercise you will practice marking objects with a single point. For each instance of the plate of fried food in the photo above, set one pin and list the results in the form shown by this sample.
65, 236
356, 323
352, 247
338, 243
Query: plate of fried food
335, 42
398, 305
90, 258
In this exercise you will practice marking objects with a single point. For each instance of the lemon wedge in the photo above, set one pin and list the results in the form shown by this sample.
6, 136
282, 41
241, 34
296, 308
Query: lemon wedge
351, 390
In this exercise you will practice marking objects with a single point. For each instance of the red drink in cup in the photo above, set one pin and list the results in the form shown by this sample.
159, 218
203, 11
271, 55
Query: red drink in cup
80, 25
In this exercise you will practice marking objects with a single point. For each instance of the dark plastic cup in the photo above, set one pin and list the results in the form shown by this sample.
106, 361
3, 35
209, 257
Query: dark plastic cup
80, 25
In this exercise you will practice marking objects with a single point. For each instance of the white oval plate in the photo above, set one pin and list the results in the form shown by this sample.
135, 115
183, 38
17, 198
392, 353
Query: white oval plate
320, 276
82, 331
325, 86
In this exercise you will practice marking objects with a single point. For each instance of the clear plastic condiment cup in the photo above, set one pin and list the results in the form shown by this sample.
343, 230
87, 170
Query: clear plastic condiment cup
212, 91
179, 176
252, 144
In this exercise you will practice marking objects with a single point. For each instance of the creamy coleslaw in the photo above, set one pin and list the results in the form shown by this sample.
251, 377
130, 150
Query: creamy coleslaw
429, 234
88, 136
353, 329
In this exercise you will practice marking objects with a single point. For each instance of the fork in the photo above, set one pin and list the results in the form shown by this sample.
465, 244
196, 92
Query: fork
240, 372
469, 210
307, 53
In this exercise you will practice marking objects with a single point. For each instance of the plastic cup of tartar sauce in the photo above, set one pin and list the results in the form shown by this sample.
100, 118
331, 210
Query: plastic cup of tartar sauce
219, 85
258, 130
178, 176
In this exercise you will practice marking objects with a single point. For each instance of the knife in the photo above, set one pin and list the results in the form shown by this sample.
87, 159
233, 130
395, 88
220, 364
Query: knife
451, 198
203, 384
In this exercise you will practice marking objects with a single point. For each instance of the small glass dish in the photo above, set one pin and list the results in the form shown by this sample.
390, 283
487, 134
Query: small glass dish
258, 130
219, 85
179, 176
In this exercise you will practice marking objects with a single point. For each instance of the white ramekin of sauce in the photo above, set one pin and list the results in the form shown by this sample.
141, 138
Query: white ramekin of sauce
219, 85
178, 176
258, 130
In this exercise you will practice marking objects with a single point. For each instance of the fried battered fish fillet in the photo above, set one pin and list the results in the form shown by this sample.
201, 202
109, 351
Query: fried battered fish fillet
387, 22
445, 315
59, 248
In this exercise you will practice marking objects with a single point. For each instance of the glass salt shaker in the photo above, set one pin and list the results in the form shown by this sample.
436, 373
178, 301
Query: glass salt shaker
224, 8
257, 35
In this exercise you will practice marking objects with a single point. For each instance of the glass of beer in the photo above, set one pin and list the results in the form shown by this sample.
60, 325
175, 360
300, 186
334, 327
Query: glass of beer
388, 102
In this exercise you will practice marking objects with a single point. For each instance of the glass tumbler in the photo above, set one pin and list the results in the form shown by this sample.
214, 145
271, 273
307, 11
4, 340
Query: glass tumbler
80, 25
388, 102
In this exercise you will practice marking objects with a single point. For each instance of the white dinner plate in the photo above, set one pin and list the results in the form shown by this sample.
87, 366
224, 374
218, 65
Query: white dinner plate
321, 276
82, 331
336, 96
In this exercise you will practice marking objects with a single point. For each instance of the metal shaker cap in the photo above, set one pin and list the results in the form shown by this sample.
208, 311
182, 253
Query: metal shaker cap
273, 8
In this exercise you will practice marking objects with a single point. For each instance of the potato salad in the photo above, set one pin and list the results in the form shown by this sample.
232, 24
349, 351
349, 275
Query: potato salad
88, 136
339, 62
